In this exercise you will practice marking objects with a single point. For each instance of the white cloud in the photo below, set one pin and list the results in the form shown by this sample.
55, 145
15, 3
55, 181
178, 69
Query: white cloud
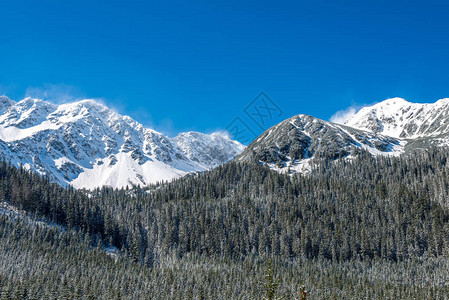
224, 133
56, 93
343, 115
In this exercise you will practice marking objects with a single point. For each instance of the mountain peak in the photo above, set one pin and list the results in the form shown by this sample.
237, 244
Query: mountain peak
5, 103
443, 101
208, 150
393, 101
85, 105
91, 103
4, 98
399, 118
297, 142
88, 145
391, 127
30, 102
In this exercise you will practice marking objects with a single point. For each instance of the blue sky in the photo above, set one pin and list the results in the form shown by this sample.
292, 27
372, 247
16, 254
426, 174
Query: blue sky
195, 65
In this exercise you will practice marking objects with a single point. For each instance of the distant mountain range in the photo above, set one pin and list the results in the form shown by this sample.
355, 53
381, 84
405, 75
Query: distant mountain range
391, 127
87, 145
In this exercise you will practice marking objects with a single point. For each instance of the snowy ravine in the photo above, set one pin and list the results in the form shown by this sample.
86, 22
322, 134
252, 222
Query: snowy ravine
87, 145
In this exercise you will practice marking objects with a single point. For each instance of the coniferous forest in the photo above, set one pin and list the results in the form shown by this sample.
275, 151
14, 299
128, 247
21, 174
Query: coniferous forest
365, 228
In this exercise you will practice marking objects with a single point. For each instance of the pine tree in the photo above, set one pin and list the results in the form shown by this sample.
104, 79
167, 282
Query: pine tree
270, 284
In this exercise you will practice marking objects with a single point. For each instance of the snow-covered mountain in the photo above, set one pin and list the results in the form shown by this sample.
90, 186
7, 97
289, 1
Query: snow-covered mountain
294, 144
88, 145
391, 127
399, 118
208, 150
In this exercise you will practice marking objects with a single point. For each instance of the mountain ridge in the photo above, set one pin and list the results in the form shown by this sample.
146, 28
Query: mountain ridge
391, 127
87, 145
396, 117
296, 142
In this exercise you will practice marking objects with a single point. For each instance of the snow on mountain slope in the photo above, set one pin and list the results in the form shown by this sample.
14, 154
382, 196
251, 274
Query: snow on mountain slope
294, 144
88, 145
391, 127
208, 150
399, 118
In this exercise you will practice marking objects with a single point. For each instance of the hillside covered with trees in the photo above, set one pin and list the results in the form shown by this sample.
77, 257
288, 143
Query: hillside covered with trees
361, 228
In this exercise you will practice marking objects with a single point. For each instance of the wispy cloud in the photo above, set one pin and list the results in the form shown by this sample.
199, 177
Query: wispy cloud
223, 133
63, 93
56, 93
343, 115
